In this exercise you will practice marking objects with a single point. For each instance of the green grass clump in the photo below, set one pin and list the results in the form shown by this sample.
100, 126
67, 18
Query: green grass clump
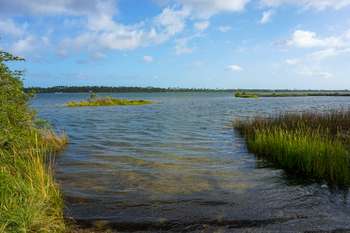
106, 101
314, 145
30, 200
243, 94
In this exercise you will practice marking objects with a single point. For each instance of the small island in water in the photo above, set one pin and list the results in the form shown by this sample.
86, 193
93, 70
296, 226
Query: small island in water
243, 94
94, 101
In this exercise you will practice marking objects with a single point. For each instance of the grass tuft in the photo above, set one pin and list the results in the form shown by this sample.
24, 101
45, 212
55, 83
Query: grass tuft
53, 141
30, 200
315, 145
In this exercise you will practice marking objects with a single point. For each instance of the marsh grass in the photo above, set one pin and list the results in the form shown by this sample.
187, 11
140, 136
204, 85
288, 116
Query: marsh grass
310, 144
106, 101
54, 142
30, 200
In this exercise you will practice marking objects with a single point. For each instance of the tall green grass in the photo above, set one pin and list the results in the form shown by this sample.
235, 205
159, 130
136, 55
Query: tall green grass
310, 144
30, 200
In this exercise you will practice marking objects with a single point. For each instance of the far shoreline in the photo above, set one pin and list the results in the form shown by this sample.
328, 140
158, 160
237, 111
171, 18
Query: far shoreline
121, 89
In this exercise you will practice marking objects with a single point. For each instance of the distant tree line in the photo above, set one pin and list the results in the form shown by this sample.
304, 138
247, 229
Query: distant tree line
99, 89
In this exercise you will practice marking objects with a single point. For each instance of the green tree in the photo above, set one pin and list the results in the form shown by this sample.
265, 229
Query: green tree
15, 116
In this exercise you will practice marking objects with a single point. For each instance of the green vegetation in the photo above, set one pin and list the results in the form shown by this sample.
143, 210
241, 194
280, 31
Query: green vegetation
256, 94
104, 89
30, 200
106, 101
315, 145
243, 94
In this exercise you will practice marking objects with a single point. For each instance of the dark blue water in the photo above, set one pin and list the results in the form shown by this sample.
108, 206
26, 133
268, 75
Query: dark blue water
178, 165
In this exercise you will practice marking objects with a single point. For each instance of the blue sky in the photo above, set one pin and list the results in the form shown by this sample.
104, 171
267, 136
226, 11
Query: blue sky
294, 44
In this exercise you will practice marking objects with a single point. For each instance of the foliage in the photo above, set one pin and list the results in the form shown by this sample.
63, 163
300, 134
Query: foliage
29, 198
104, 89
121, 89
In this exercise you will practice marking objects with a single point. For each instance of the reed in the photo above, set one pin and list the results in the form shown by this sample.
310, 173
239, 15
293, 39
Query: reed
311, 144
106, 101
54, 142
30, 200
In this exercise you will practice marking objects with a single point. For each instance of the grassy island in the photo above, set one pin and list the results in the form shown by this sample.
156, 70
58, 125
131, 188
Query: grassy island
106, 101
262, 93
314, 145
30, 200
243, 94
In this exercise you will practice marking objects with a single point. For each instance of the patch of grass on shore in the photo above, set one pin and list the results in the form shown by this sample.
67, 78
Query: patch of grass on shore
106, 101
30, 200
311, 144
243, 94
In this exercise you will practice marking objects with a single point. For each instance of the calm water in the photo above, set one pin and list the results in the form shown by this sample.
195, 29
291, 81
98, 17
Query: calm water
178, 165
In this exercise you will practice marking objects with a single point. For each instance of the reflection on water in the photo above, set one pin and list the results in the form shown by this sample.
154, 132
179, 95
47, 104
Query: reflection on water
179, 166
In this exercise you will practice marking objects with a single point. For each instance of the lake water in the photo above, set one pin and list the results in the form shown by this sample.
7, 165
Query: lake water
178, 166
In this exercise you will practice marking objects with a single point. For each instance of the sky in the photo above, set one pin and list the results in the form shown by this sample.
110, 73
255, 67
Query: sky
272, 44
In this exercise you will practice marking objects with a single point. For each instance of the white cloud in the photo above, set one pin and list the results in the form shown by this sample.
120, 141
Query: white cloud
347, 34
9, 27
148, 59
102, 32
308, 39
98, 30
24, 45
292, 61
182, 47
202, 25
234, 67
316, 73
172, 21
266, 17
323, 54
29, 44
97, 56
207, 8
309, 4
322, 49
57, 7
224, 28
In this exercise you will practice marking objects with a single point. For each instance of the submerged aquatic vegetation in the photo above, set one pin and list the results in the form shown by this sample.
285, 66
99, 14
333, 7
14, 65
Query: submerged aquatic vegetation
315, 145
106, 101
30, 200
